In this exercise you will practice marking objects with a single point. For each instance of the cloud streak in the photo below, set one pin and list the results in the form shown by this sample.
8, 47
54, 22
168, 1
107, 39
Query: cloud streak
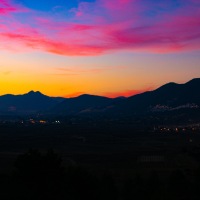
7, 7
81, 70
103, 26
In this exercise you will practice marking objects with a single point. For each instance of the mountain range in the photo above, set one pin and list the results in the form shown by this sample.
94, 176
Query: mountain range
29, 103
169, 97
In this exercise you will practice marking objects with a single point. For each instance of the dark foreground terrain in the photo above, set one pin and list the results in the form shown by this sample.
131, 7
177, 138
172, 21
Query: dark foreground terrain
99, 161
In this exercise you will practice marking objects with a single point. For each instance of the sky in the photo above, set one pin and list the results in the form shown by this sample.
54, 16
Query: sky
108, 48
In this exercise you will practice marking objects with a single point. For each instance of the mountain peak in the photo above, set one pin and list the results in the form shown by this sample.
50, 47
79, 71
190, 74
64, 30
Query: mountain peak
90, 96
85, 95
194, 81
32, 92
167, 86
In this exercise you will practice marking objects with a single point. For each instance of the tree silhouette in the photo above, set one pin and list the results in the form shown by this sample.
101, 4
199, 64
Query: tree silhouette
178, 186
81, 184
108, 187
39, 175
154, 189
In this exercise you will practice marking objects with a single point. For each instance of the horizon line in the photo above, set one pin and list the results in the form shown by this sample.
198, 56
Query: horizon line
112, 95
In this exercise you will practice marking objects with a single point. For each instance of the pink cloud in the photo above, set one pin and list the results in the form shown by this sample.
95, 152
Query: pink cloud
7, 6
117, 5
103, 26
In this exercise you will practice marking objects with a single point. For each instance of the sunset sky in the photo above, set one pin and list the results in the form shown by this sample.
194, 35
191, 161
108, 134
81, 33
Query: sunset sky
102, 47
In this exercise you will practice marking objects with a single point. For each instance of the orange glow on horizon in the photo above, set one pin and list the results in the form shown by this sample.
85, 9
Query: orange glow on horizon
104, 75
126, 93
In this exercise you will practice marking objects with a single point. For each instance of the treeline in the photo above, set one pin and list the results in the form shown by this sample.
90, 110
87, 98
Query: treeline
38, 176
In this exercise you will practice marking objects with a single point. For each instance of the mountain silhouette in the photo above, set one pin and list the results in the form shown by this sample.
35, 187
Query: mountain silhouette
170, 96
31, 102
82, 104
